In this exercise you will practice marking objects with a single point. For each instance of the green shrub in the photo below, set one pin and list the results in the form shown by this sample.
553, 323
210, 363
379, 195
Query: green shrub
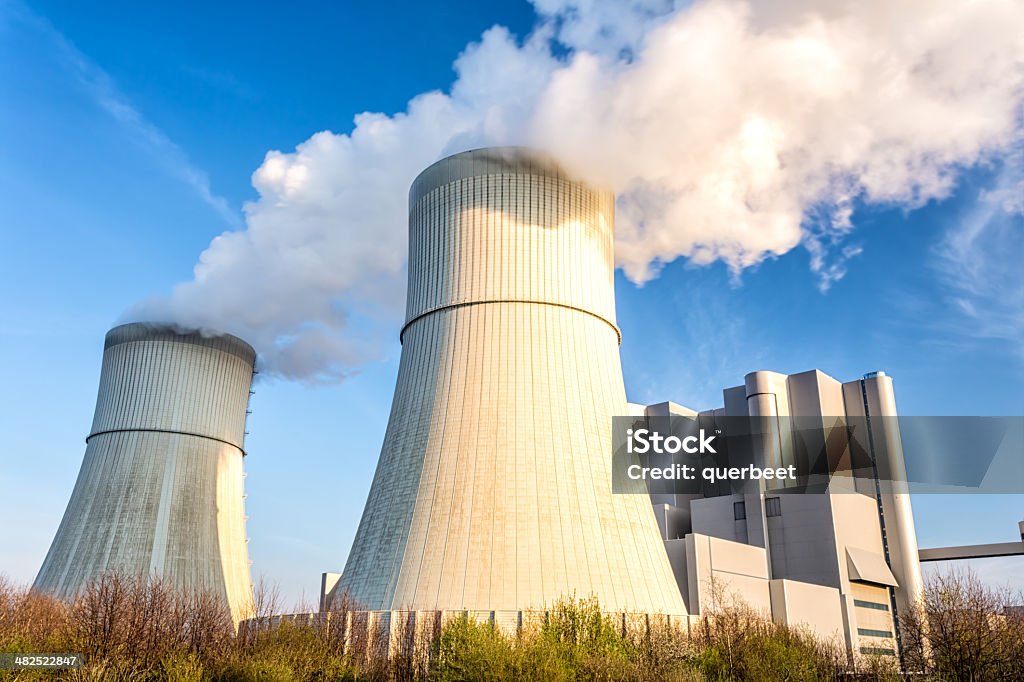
468, 650
183, 668
737, 643
573, 641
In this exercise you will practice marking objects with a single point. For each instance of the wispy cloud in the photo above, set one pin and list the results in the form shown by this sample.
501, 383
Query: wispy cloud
104, 92
979, 262
719, 350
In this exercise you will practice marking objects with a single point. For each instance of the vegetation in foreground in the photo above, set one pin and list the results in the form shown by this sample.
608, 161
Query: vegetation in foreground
141, 630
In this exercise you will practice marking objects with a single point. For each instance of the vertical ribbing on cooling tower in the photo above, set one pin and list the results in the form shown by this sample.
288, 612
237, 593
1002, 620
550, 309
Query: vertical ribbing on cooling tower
160, 491
493, 488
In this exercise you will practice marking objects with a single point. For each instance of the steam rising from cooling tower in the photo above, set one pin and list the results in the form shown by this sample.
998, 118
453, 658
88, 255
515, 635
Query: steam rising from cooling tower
731, 131
493, 487
160, 491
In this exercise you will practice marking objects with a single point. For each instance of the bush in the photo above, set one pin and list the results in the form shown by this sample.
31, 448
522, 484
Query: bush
959, 631
282, 653
133, 629
468, 650
573, 641
738, 643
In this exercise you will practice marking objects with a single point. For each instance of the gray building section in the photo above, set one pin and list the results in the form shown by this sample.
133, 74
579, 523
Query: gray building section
842, 560
160, 491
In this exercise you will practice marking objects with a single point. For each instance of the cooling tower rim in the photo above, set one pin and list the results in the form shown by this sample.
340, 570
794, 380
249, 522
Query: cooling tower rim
161, 331
487, 161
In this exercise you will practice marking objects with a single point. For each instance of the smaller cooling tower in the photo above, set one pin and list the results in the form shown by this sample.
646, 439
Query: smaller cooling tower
160, 489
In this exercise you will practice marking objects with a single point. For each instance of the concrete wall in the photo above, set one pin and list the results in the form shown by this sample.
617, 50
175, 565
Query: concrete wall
715, 516
803, 539
721, 573
816, 608
717, 573
389, 633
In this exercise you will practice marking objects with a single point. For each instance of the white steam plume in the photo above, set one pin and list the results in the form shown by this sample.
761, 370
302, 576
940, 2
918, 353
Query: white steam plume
730, 131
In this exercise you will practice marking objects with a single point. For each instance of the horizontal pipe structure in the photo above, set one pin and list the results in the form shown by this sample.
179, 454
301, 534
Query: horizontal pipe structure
160, 491
996, 549
493, 487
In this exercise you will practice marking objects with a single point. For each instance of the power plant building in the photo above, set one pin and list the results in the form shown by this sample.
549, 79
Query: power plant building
493, 493
160, 491
842, 560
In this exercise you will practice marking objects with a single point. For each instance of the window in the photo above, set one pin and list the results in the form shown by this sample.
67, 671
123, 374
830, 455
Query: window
772, 506
870, 605
865, 632
879, 651
739, 511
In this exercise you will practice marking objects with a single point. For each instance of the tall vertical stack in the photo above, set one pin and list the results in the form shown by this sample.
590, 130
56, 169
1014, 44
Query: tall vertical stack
493, 488
160, 491
873, 399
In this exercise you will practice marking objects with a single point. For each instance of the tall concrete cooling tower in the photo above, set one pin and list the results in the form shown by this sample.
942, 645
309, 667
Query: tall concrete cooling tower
493, 488
160, 489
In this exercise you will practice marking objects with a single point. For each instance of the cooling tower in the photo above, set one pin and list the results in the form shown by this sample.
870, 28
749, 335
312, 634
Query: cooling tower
493, 488
160, 489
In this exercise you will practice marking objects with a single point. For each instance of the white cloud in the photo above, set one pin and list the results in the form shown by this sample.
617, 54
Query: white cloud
730, 132
728, 128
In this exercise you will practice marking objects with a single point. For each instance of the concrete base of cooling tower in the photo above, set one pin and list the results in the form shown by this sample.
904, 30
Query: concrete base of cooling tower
392, 633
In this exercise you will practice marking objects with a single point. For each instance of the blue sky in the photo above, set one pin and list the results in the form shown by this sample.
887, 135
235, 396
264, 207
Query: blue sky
129, 135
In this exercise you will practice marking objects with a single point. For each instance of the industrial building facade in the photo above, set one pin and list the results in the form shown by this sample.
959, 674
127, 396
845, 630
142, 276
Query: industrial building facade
841, 560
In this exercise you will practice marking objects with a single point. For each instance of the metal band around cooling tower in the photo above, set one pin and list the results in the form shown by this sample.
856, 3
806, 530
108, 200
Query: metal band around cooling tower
177, 433
464, 304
